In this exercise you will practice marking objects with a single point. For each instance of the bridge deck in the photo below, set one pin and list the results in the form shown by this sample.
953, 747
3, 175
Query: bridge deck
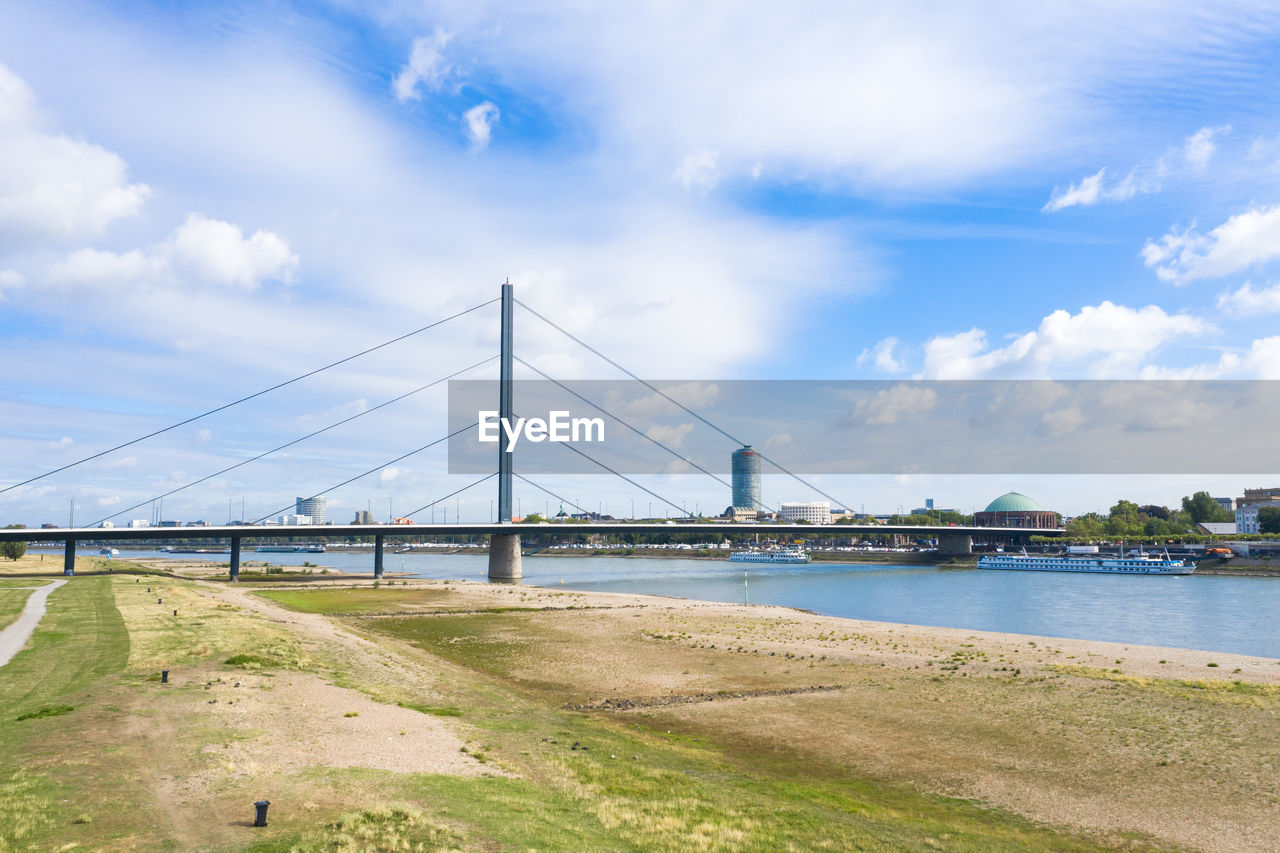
401, 531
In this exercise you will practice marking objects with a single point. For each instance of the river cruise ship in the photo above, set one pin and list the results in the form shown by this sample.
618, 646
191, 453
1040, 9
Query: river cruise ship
289, 549
1142, 565
769, 555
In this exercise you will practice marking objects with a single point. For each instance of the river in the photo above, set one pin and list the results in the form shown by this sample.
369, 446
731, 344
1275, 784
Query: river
1215, 613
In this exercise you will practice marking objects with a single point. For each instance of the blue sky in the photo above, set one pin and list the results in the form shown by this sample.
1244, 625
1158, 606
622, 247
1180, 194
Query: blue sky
199, 200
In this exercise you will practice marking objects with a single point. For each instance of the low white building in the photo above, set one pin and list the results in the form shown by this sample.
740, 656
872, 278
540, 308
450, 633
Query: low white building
814, 512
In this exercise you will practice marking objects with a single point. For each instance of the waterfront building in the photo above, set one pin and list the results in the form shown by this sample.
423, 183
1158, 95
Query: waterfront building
1247, 516
313, 508
1258, 496
813, 512
363, 516
745, 470
1015, 509
293, 520
1229, 504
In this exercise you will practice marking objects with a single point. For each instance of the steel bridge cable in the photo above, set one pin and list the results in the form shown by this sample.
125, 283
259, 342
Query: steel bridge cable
669, 503
451, 494
548, 491
245, 399
634, 429
372, 470
620, 475
295, 441
677, 403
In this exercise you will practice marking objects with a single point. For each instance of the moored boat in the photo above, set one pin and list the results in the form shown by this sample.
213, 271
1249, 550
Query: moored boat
1140, 565
769, 555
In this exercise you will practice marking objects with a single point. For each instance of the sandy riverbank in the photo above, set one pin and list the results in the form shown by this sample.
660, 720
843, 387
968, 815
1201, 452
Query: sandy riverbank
1104, 738
1111, 740
847, 729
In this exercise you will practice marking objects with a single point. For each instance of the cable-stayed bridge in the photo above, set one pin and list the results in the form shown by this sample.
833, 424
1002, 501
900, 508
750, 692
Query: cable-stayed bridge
504, 536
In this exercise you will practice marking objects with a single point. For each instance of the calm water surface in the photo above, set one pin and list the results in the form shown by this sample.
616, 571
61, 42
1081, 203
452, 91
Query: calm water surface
1229, 614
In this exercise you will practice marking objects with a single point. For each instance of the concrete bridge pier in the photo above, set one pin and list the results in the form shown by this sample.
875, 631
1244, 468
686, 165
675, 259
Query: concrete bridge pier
504, 557
69, 558
955, 544
377, 557
235, 558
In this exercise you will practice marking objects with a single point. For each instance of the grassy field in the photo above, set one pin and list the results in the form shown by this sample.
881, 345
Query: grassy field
11, 603
460, 726
47, 694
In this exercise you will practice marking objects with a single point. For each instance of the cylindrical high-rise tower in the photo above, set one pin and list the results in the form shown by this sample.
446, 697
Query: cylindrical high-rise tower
313, 508
746, 479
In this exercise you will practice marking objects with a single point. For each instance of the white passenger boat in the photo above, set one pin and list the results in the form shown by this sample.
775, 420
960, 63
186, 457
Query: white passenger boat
769, 555
1140, 565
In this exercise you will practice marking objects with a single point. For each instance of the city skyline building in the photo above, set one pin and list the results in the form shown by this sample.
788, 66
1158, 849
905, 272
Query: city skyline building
313, 508
745, 481
812, 512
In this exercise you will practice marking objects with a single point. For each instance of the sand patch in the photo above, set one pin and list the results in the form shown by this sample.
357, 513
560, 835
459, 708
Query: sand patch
295, 720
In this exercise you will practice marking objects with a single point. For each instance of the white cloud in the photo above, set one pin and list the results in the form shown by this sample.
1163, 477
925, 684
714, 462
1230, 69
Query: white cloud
1246, 239
1086, 192
1146, 177
52, 186
9, 280
671, 436
904, 95
102, 267
1260, 361
1199, 148
881, 355
1107, 340
200, 250
478, 123
61, 444
891, 405
203, 435
1061, 422
697, 171
1093, 189
387, 475
218, 252
426, 66
778, 441
1248, 300
109, 501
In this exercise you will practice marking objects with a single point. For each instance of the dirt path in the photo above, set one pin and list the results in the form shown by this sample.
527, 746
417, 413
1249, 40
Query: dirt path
14, 637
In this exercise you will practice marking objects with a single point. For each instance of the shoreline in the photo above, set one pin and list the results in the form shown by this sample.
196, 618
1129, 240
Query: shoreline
300, 577
499, 685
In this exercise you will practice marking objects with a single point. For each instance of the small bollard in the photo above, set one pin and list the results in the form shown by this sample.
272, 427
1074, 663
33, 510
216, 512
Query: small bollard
164, 676
175, 613
260, 814
159, 601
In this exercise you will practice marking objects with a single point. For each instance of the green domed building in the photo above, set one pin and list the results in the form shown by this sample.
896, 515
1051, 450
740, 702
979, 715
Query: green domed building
1015, 509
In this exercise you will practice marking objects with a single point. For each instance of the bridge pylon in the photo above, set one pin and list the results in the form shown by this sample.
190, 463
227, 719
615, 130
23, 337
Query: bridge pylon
504, 549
